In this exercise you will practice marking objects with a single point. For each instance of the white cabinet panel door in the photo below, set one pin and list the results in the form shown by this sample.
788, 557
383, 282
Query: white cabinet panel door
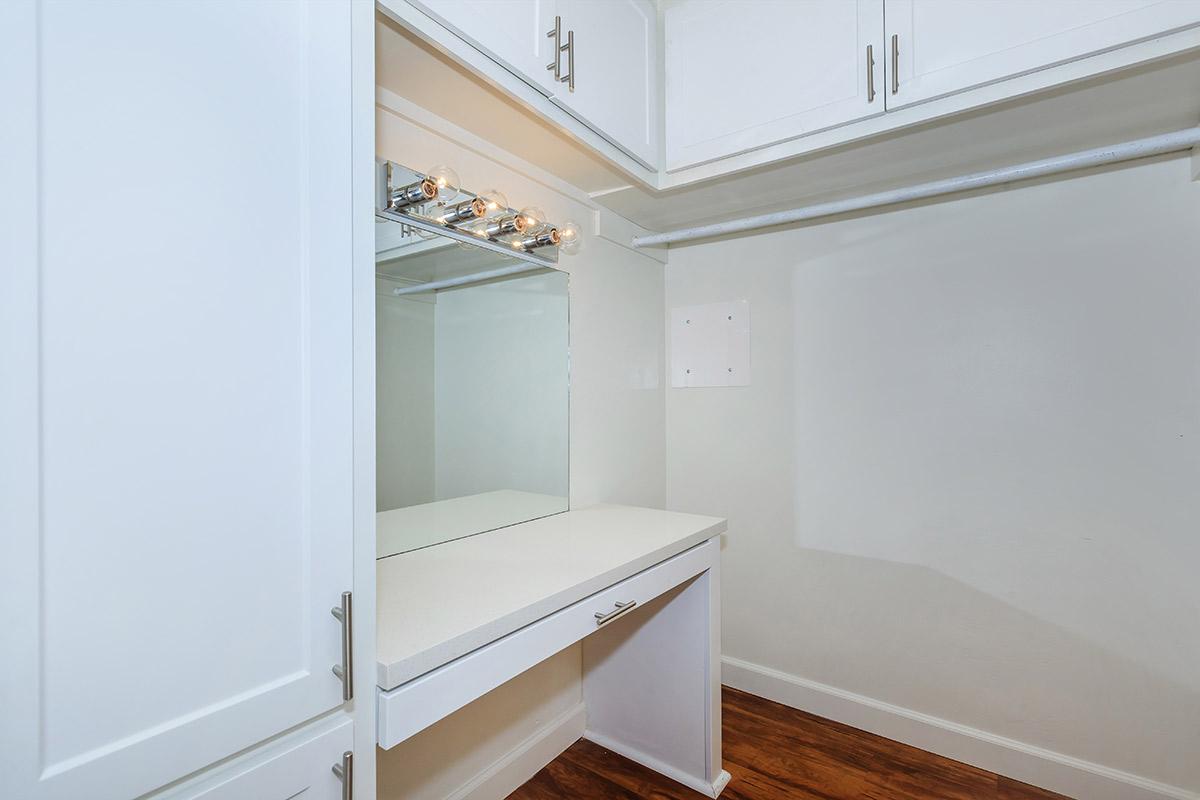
512, 32
175, 385
616, 72
744, 74
945, 46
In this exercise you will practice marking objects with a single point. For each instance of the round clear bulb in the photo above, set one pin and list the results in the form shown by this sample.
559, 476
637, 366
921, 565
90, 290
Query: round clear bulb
494, 202
447, 183
535, 219
570, 237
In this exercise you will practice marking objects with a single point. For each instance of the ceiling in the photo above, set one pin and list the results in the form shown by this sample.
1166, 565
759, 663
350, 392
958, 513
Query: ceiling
1152, 99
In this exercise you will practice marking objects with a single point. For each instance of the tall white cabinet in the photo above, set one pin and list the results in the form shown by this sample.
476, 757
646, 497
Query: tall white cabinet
176, 404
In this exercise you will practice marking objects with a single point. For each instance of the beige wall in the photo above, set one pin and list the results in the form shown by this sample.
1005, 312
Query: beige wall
617, 441
965, 480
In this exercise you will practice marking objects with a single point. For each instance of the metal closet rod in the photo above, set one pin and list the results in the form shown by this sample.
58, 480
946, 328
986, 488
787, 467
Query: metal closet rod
1111, 154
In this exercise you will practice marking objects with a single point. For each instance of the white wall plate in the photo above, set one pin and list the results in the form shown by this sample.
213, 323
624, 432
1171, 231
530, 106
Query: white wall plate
710, 345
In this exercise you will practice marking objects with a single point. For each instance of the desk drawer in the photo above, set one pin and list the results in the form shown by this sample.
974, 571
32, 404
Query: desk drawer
413, 706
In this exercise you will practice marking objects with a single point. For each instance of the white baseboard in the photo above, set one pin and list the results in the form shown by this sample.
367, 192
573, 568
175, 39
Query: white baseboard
523, 762
1023, 762
691, 781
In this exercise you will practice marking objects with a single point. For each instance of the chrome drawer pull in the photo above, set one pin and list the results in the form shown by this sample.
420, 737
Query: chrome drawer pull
621, 608
345, 774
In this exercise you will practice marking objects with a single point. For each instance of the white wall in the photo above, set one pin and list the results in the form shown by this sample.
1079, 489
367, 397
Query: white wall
964, 480
617, 438
500, 377
404, 410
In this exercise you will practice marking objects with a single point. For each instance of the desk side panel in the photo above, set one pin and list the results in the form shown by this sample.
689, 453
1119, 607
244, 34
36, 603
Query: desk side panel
652, 684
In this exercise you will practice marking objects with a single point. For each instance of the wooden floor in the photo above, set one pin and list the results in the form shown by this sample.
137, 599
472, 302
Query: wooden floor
776, 752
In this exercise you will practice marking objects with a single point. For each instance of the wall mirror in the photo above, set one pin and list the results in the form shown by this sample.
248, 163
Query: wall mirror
471, 370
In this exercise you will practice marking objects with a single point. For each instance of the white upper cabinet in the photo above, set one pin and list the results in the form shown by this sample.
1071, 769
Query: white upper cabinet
739, 84
615, 46
612, 45
743, 74
175, 357
511, 32
946, 46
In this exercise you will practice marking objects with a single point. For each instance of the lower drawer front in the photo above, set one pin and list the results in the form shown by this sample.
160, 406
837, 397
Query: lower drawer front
298, 765
415, 705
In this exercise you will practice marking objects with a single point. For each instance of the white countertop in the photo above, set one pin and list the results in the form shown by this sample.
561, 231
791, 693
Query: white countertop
442, 602
403, 529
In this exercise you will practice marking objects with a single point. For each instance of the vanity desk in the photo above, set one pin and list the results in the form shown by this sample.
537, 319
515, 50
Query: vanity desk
639, 587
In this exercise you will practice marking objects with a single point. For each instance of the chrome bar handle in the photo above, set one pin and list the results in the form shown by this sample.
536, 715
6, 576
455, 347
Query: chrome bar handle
895, 63
345, 773
556, 35
870, 73
345, 671
621, 609
570, 76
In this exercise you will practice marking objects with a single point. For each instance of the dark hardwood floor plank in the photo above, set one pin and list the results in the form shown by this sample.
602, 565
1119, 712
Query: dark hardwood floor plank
778, 753
792, 756
1015, 790
627, 774
563, 778
747, 784
845, 761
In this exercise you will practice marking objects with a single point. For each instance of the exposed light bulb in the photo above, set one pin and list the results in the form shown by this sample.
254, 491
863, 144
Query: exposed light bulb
447, 182
570, 238
494, 202
534, 219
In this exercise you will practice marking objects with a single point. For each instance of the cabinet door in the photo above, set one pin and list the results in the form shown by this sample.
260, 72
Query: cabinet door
175, 351
616, 72
946, 46
744, 74
512, 32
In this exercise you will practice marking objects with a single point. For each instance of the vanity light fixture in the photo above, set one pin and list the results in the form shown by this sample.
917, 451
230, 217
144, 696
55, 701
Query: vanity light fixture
438, 197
